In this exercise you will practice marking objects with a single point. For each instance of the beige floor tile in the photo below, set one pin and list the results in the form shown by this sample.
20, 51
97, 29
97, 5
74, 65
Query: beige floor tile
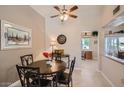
88, 76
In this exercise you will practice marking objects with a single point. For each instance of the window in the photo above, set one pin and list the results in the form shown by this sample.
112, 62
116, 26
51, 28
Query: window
121, 44
114, 46
85, 43
111, 46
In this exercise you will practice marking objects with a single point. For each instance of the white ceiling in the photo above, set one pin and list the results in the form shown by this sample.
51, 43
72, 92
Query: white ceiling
48, 10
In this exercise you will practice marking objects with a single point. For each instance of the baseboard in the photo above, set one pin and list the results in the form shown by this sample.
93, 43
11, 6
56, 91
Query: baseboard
109, 81
15, 84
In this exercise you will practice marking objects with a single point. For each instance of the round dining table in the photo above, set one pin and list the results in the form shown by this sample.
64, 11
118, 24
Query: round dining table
49, 67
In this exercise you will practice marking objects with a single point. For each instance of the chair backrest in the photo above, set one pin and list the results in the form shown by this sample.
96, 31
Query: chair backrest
57, 56
26, 59
27, 74
71, 68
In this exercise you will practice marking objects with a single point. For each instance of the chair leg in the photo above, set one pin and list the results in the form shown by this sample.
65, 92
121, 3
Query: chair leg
71, 82
50, 84
68, 84
54, 84
68, 62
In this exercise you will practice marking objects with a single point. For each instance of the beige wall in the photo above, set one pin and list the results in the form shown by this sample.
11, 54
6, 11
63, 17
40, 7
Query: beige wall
108, 13
27, 17
113, 70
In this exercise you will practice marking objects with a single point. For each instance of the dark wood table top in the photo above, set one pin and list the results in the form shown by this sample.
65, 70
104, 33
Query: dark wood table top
45, 68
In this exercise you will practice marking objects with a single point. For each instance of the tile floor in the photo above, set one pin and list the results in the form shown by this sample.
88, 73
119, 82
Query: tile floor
88, 76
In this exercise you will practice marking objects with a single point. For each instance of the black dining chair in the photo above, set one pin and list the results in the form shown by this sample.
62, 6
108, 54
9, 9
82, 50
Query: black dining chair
56, 56
30, 77
66, 78
26, 59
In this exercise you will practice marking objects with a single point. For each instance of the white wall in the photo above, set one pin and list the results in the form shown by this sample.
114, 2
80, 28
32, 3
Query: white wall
88, 20
95, 47
89, 17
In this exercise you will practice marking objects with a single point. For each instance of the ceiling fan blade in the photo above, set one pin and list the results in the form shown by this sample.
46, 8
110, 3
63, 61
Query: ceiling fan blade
57, 8
73, 8
74, 16
54, 16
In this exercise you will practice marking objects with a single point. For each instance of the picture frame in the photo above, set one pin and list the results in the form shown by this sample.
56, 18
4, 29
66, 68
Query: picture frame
14, 36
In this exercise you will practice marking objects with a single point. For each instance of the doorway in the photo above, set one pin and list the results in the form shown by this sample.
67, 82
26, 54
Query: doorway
89, 46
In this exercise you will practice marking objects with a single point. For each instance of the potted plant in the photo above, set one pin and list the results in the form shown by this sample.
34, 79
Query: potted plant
95, 33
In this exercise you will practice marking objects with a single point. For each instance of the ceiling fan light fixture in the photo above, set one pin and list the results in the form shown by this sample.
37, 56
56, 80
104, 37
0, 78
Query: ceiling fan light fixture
66, 17
63, 17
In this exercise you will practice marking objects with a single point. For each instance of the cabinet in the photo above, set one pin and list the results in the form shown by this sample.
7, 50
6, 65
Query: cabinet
88, 55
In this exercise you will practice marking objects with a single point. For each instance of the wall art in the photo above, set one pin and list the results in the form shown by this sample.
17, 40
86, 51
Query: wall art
14, 36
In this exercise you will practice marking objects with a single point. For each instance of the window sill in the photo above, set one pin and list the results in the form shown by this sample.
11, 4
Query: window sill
115, 59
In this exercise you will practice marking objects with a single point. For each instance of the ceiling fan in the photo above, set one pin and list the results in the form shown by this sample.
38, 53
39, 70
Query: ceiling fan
64, 13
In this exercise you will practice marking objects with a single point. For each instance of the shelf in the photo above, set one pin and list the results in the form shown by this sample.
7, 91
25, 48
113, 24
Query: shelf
115, 35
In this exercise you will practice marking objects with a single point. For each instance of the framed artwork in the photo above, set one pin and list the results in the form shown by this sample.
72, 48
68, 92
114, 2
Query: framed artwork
61, 39
14, 36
